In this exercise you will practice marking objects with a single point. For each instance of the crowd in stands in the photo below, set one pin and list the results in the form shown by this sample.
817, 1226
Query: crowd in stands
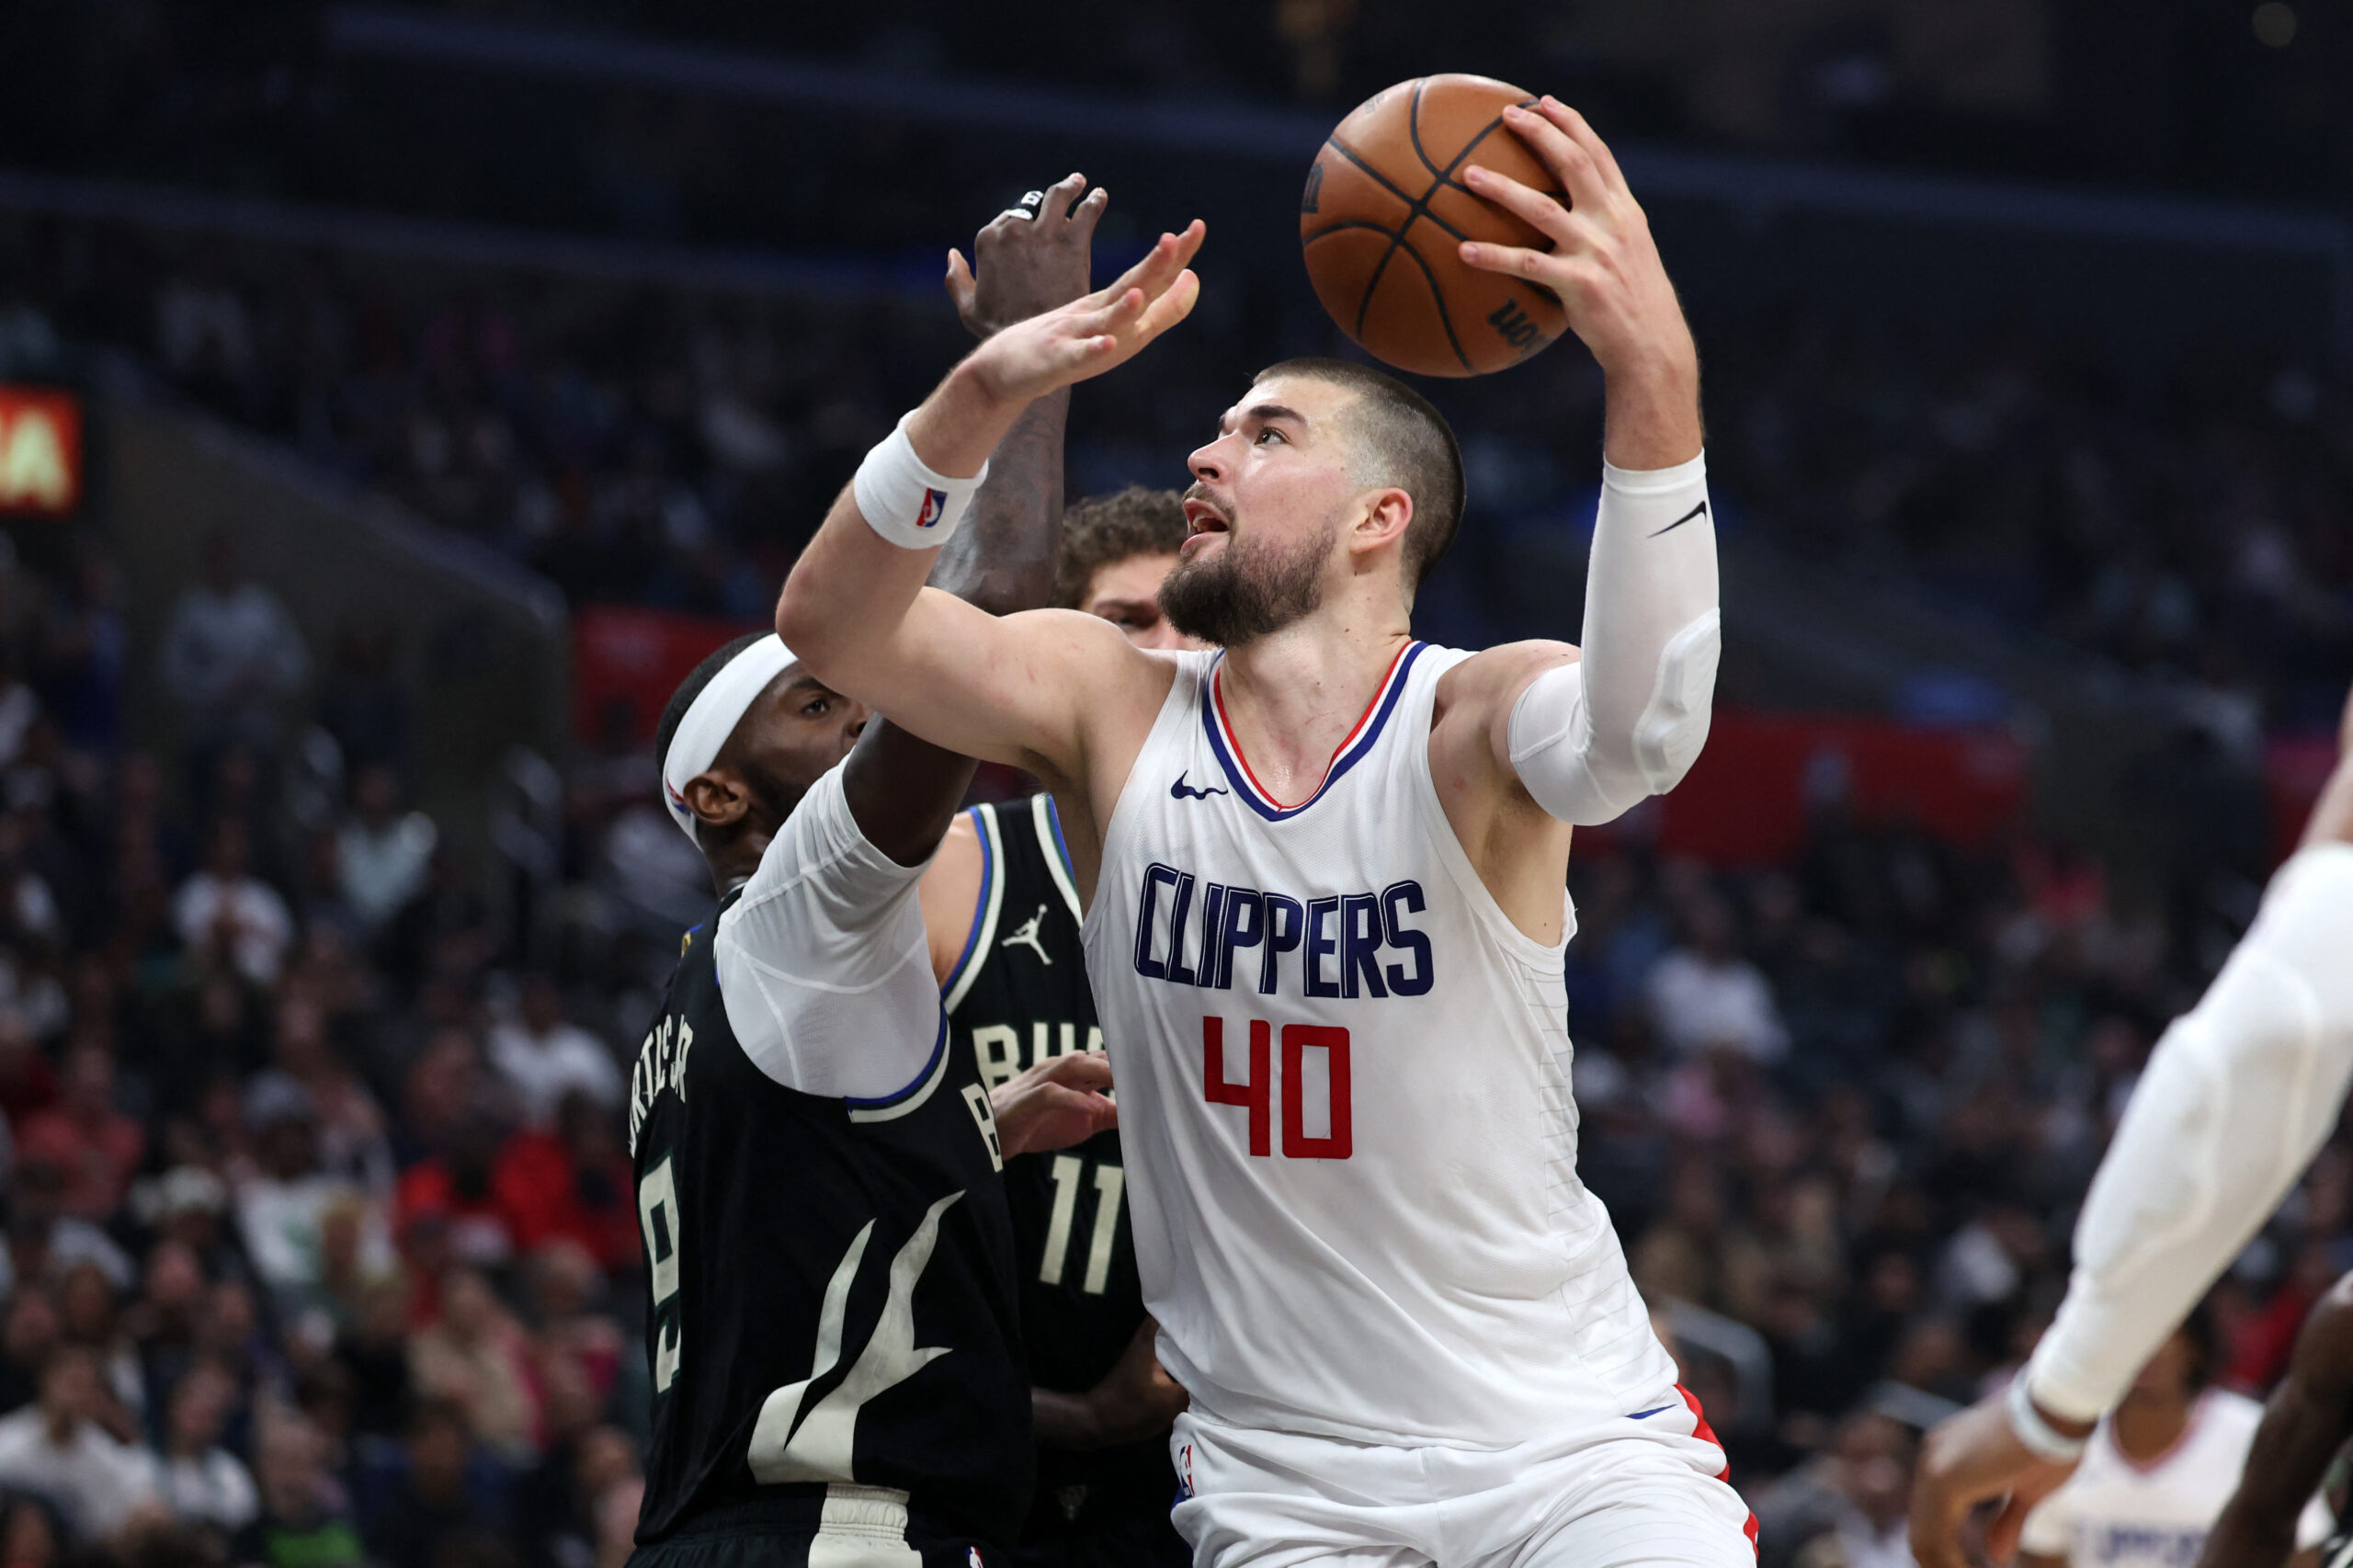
320, 1246
671, 448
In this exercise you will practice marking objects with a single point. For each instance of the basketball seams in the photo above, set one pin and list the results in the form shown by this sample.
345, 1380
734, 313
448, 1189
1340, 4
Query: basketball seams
1443, 186
1414, 204
1437, 298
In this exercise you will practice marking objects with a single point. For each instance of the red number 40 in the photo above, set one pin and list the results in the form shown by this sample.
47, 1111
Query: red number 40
1256, 1092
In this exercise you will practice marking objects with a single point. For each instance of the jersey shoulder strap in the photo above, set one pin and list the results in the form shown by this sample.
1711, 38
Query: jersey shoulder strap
981, 937
1022, 851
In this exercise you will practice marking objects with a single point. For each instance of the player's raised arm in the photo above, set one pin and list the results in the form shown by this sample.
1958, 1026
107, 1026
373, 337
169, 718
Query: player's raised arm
855, 608
1590, 738
2239, 1095
1030, 259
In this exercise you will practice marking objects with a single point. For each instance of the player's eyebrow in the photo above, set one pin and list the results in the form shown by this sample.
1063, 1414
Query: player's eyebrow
1266, 412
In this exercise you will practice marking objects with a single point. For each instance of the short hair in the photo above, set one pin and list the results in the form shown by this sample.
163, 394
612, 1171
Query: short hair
1103, 531
1399, 439
674, 713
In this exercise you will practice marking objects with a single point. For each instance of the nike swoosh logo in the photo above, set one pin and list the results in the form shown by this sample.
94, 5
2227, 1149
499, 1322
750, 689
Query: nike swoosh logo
1646, 1415
1180, 791
1699, 511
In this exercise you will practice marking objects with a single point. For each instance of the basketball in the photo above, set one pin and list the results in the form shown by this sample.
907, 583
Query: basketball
1384, 208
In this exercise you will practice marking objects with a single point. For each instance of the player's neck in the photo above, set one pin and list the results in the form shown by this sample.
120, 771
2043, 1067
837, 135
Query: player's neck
2147, 1425
1292, 697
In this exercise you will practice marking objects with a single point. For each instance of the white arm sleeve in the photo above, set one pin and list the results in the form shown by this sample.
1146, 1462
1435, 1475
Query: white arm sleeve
2239, 1095
1590, 739
823, 963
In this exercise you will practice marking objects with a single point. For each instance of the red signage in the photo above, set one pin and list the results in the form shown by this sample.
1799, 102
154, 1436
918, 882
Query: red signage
1746, 801
627, 660
41, 451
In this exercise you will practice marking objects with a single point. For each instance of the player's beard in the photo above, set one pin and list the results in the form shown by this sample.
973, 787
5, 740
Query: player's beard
1248, 590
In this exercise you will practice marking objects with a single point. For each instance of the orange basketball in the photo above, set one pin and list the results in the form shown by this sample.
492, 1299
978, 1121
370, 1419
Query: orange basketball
1384, 208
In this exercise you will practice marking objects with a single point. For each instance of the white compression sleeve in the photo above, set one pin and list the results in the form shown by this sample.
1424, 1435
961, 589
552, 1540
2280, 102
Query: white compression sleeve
2239, 1097
1590, 739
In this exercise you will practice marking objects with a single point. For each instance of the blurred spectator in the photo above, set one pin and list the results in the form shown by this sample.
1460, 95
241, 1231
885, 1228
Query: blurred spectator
95, 1147
475, 1356
383, 852
283, 1206
199, 1480
226, 912
440, 1492
571, 1183
1704, 996
304, 1521
1846, 1510
56, 1447
231, 654
30, 1534
543, 1057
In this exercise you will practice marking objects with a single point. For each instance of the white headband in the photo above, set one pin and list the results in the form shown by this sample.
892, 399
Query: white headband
711, 717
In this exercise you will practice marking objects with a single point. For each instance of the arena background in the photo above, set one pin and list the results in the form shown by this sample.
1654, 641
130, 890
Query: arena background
474, 369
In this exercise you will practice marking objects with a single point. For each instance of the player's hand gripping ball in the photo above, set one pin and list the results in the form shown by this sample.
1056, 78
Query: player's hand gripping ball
1385, 210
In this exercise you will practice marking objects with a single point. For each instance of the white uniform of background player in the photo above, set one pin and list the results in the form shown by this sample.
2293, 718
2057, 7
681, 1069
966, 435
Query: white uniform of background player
1407, 1330
2115, 1513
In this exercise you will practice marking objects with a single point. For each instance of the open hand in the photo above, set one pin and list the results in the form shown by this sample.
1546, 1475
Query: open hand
1055, 1104
1970, 1459
1093, 333
1027, 262
1603, 263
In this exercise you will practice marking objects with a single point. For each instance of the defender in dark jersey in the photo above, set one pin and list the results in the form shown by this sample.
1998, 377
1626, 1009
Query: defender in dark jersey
832, 1294
1003, 915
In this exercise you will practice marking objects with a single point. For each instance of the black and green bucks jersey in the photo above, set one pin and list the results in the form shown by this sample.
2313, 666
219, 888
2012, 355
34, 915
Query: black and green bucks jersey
1017, 996
831, 1279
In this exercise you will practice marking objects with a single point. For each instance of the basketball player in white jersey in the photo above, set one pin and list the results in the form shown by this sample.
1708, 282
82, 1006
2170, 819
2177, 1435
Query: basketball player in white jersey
2158, 1470
2239, 1095
1326, 911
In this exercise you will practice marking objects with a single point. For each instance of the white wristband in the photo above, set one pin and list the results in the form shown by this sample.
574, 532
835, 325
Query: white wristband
2043, 1439
908, 502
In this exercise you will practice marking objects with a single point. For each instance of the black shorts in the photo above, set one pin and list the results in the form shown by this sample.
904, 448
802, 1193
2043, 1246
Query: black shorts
780, 1534
1146, 1542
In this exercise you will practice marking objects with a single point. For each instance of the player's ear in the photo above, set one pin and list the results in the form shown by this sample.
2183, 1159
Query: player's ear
1388, 513
717, 797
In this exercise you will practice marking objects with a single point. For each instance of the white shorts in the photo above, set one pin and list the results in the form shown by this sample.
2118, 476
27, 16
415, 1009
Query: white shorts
1647, 1490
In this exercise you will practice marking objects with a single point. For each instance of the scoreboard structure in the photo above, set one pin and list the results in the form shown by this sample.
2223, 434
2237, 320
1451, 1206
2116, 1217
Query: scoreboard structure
42, 470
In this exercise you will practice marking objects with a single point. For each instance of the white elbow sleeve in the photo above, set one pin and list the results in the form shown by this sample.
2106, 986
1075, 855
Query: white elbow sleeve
1552, 752
1673, 724
1590, 739
2239, 1097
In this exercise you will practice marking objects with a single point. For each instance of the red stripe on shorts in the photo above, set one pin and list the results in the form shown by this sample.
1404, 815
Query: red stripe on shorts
1707, 1433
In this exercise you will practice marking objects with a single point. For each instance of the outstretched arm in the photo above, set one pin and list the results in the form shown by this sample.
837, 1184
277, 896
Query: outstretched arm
2307, 1419
904, 792
1588, 736
1015, 689
2239, 1097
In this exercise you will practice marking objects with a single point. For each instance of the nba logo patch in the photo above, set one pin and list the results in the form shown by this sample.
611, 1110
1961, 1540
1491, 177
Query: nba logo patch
935, 501
1184, 1472
971, 1553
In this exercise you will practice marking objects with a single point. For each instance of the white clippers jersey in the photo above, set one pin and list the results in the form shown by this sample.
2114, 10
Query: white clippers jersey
2113, 1513
1344, 1085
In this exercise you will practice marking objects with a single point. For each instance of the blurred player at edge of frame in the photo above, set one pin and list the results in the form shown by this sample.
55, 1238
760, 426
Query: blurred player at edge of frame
2239, 1097
1324, 874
